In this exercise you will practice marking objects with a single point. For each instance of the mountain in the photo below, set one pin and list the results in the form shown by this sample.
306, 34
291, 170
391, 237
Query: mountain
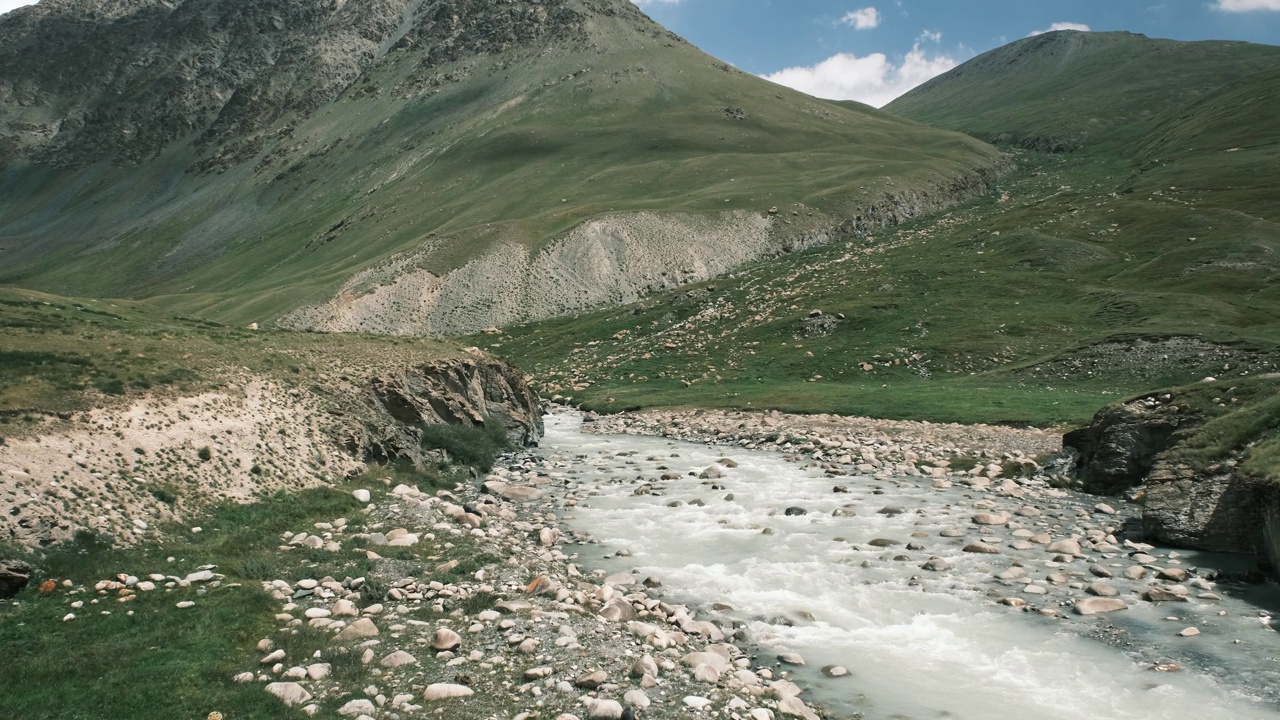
1145, 259
420, 166
1067, 89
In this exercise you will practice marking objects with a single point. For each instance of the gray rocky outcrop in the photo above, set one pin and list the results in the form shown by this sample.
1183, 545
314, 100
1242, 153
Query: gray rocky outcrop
14, 576
1119, 448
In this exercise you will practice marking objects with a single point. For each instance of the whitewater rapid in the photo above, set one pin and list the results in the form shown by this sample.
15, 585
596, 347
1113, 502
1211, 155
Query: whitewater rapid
918, 644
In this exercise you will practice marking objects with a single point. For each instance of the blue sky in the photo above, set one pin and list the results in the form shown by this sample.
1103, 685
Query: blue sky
875, 50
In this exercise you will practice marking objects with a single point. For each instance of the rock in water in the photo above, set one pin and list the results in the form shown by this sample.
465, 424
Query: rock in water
14, 576
1097, 605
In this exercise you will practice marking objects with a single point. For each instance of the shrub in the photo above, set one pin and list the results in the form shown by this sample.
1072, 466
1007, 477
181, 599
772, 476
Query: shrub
475, 445
205, 454
257, 568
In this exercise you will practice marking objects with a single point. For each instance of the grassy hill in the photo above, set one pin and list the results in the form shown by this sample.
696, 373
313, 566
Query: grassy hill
1068, 89
461, 126
1148, 259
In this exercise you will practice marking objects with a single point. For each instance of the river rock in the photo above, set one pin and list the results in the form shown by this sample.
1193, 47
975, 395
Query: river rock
358, 707
1065, 547
1189, 632
1097, 605
1174, 574
1159, 594
986, 518
604, 710
791, 659
936, 565
290, 693
446, 691
446, 639
981, 548
397, 659
591, 680
362, 628
637, 698
1102, 590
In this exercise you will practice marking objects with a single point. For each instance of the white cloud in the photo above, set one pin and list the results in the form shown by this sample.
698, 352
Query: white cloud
1062, 26
864, 19
1246, 5
873, 79
931, 36
7, 5
647, 3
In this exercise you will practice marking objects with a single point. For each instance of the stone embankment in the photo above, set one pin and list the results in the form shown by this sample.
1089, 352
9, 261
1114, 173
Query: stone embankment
123, 470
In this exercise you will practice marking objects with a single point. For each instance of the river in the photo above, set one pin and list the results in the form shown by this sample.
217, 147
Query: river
918, 644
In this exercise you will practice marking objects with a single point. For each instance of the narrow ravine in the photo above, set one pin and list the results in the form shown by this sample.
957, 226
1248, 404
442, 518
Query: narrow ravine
918, 643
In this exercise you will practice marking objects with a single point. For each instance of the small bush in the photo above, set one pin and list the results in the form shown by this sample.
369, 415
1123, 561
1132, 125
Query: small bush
475, 445
205, 454
164, 493
257, 568
373, 590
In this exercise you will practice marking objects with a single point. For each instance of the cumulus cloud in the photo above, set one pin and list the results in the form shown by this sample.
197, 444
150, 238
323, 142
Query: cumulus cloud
931, 36
873, 79
864, 19
649, 3
1063, 26
1237, 6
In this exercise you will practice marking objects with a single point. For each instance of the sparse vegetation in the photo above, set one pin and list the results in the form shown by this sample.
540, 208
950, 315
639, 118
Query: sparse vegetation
475, 445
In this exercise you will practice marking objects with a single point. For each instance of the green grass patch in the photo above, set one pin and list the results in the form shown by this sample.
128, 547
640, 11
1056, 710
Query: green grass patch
161, 660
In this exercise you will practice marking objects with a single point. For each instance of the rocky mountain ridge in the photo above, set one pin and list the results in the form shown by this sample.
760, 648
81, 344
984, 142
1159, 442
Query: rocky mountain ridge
242, 164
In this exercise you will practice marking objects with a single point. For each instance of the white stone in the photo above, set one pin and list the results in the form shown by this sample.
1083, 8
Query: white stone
290, 693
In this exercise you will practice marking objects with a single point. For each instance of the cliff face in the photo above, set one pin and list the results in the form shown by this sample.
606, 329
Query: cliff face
1119, 448
1200, 459
458, 392
125, 470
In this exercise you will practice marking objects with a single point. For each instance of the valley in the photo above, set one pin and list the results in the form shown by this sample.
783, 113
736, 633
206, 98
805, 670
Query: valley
476, 359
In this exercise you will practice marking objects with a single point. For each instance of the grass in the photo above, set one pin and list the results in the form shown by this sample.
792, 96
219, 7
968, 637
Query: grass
1241, 421
1068, 90
59, 355
522, 146
162, 661
1053, 296
477, 446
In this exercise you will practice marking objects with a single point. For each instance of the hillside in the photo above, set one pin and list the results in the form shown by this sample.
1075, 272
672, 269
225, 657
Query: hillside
1146, 260
1067, 90
426, 166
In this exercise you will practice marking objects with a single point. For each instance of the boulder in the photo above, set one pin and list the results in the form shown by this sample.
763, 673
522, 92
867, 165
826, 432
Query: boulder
14, 576
290, 693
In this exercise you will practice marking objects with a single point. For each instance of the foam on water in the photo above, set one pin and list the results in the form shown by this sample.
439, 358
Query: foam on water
918, 644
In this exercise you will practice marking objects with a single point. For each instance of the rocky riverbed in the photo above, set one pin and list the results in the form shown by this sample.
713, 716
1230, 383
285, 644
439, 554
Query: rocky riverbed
850, 570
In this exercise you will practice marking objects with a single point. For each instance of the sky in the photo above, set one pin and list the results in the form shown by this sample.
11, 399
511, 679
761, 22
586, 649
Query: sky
875, 50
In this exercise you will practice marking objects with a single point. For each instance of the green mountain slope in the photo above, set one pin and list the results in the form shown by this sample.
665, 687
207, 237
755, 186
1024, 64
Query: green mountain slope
1149, 259
1068, 89
254, 161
